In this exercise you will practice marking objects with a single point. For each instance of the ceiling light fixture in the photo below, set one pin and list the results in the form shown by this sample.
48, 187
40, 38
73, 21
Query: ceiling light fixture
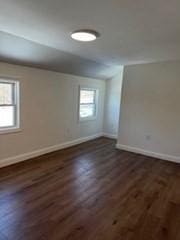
85, 35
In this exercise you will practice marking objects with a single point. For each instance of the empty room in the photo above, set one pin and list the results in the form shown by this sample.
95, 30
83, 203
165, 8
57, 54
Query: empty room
89, 120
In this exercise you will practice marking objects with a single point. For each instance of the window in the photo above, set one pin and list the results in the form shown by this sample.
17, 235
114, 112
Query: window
88, 103
9, 105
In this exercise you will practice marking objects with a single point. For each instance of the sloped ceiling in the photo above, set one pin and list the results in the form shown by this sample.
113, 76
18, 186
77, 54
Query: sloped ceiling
37, 33
24, 52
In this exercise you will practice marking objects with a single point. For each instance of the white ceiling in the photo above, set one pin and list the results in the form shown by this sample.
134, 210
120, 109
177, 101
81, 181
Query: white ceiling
132, 31
24, 52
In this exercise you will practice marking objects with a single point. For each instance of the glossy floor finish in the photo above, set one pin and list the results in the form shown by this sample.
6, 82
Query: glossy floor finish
90, 192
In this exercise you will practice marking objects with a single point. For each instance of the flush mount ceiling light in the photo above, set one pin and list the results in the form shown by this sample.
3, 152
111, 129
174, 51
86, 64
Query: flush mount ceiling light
85, 35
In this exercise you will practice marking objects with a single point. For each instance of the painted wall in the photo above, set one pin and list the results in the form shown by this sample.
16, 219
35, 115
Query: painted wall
49, 110
112, 105
150, 110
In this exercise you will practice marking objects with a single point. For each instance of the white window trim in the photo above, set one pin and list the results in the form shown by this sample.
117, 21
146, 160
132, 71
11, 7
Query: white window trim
16, 127
82, 87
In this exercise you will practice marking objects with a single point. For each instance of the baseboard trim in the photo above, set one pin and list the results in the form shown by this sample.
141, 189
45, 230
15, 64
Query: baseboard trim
37, 153
149, 153
110, 135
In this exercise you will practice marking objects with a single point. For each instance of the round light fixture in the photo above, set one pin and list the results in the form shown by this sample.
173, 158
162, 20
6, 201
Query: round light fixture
85, 35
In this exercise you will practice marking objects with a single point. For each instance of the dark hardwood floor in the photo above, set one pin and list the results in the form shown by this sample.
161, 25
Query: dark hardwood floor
90, 192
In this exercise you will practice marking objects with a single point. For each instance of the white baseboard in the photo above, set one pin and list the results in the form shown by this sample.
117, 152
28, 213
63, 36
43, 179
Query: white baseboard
110, 135
149, 153
36, 153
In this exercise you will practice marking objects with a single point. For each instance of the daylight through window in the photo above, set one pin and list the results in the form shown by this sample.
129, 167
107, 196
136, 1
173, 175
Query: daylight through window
88, 103
9, 91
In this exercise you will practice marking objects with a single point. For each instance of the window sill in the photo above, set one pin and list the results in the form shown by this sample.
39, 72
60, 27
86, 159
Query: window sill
10, 130
87, 119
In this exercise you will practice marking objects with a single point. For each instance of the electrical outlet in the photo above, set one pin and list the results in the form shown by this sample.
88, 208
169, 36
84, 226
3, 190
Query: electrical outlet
68, 132
148, 137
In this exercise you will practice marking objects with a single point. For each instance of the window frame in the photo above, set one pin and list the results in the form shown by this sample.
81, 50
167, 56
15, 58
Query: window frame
96, 98
15, 105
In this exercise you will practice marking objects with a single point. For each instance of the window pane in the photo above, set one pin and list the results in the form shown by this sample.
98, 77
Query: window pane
6, 116
6, 93
87, 96
87, 110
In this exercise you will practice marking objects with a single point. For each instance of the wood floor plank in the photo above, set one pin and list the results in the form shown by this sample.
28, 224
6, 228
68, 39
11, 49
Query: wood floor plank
90, 191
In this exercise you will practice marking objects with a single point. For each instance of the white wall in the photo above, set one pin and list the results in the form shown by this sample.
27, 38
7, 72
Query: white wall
112, 105
49, 110
150, 110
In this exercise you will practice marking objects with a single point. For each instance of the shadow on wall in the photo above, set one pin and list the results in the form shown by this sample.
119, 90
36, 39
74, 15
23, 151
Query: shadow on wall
112, 105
